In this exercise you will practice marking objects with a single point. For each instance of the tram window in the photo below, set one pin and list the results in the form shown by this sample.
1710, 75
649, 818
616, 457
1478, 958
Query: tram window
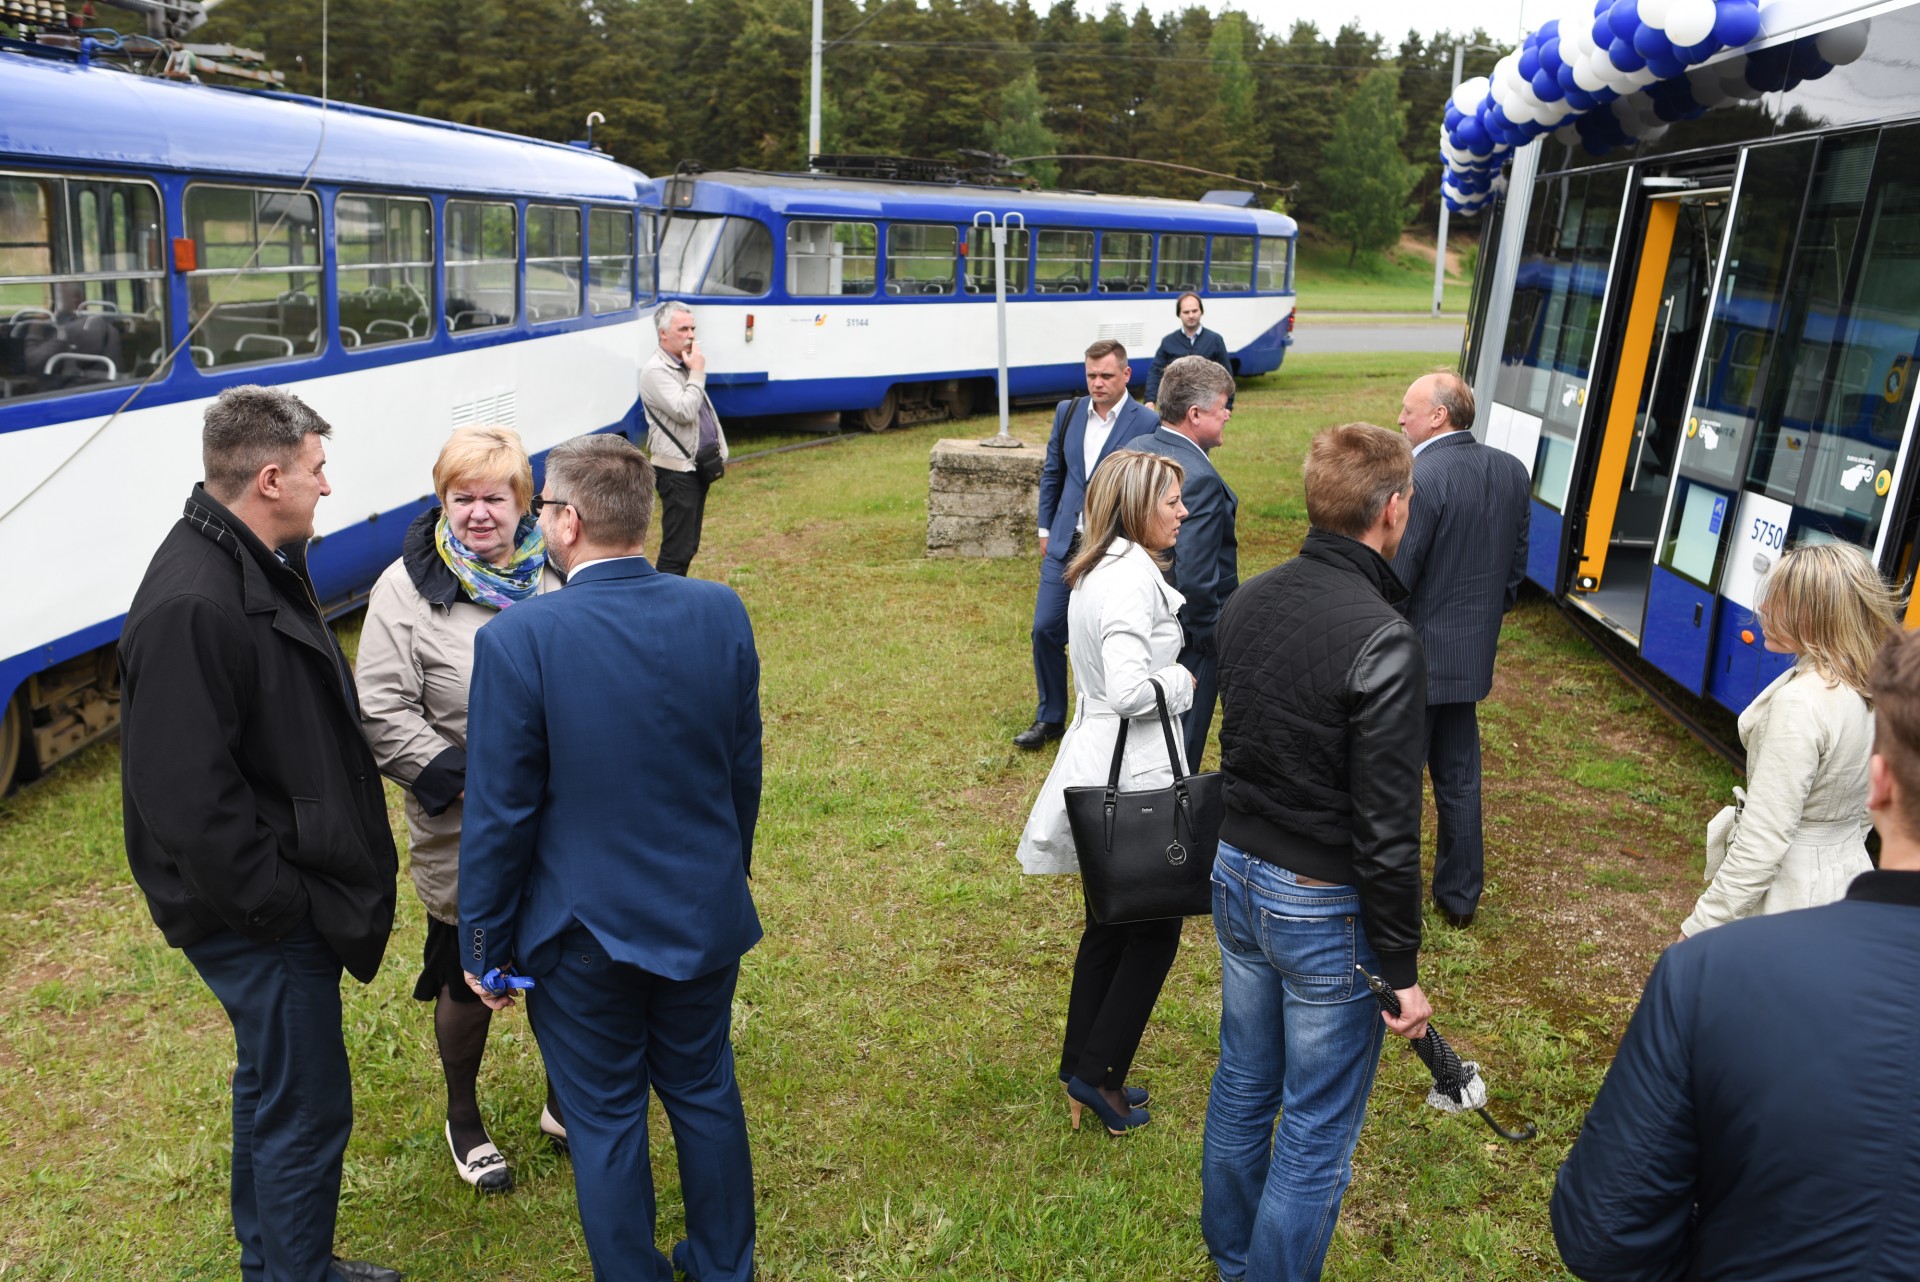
742, 260
921, 258
1126, 262
483, 265
1231, 271
686, 242
82, 290
553, 262
383, 247
1183, 260
1272, 275
831, 259
980, 260
1063, 261
609, 260
645, 262
256, 295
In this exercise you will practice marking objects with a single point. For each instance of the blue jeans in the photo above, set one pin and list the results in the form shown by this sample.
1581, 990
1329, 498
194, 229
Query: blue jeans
1300, 1038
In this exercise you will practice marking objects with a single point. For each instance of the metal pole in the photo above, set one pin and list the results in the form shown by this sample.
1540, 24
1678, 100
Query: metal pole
999, 226
1440, 248
813, 106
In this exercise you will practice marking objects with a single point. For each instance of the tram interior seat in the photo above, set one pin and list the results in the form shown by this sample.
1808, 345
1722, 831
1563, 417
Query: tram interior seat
381, 315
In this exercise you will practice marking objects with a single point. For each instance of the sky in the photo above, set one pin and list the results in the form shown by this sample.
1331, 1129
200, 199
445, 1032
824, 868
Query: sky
1390, 18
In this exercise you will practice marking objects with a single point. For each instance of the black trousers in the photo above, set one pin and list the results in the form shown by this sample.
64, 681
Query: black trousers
683, 505
1117, 976
1204, 662
1453, 763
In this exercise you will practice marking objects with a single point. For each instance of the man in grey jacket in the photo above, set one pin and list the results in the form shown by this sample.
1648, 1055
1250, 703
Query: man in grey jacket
680, 422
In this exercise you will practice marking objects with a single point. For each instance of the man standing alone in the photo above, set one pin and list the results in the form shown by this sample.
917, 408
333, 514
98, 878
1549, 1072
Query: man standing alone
1191, 339
255, 820
1462, 562
1206, 567
681, 422
613, 784
1085, 430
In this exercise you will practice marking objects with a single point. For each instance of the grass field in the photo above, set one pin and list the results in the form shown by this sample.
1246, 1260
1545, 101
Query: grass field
897, 1031
1400, 280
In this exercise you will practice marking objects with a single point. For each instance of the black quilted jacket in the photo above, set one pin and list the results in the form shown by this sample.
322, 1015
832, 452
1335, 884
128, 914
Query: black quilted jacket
1323, 698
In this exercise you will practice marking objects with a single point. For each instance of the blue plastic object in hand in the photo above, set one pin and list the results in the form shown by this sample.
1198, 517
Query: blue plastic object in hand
496, 983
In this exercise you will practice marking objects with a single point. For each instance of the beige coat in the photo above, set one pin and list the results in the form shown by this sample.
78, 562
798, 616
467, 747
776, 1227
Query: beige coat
416, 657
1123, 628
1800, 836
671, 394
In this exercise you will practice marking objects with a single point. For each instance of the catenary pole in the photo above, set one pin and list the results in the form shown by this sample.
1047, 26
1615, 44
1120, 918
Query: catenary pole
813, 105
1440, 248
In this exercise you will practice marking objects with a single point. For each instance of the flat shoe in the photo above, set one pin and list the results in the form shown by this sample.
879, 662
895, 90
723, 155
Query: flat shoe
483, 1167
551, 1128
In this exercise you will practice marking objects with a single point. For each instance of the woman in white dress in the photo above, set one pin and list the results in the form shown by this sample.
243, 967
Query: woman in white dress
1123, 630
1796, 836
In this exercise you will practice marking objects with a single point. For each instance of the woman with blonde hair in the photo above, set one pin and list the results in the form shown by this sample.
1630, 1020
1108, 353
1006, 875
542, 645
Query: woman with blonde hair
476, 553
1123, 631
1796, 836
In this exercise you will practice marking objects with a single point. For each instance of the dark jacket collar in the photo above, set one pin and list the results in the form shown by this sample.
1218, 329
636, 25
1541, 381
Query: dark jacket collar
1172, 437
1885, 886
1356, 557
1452, 437
425, 566
264, 576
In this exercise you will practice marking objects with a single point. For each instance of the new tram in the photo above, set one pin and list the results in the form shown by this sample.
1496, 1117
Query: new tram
402, 276
823, 292
1704, 349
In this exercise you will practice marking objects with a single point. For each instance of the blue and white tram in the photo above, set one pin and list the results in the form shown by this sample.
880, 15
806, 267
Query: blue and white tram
819, 292
1703, 344
402, 276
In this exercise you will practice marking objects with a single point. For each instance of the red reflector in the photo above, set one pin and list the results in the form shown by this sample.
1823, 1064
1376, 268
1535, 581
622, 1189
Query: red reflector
186, 254
749, 320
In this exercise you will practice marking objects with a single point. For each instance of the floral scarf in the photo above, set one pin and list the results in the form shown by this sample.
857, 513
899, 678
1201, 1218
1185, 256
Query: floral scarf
496, 585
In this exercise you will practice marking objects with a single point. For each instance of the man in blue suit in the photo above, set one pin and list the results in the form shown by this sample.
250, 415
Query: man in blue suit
1462, 561
1085, 430
1194, 408
613, 782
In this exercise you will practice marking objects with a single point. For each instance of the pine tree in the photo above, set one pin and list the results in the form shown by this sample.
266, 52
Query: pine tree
1022, 131
1367, 179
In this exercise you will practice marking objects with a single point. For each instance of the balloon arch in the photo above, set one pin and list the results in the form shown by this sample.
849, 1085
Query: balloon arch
1618, 74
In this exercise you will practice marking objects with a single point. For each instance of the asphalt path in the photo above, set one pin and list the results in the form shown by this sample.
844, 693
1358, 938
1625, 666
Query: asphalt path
1355, 335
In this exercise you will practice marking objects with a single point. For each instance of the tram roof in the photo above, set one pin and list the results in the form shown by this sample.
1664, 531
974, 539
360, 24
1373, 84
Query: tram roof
58, 111
750, 191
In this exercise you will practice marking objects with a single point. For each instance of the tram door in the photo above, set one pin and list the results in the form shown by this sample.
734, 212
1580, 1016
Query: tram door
1680, 240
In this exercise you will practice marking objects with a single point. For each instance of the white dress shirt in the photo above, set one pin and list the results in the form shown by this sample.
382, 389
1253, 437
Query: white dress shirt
1439, 437
1099, 428
599, 561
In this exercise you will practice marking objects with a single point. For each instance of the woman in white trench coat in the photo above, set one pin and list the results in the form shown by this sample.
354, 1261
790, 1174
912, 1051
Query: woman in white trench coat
1123, 629
1797, 836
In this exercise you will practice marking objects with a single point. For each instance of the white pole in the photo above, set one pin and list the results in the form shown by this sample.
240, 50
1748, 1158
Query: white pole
1000, 309
813, 107
1440, 248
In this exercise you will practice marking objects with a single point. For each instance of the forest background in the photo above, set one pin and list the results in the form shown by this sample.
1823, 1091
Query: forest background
724, 83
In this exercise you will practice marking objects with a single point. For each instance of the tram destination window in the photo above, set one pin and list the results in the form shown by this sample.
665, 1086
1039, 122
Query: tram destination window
383, 248
609, 260
1232, 268
83, 292
828, 260
922, 259
1063, 261
980, 260
742, 260
1126, 262
1183, 260
1274, 272
483, 265
553, 262
256, 294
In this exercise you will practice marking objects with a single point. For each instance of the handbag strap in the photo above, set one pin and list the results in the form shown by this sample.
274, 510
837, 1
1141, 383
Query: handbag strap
1166, 728
664, 432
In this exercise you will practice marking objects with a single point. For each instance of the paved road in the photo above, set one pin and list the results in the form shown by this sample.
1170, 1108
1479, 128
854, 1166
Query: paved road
1430, 336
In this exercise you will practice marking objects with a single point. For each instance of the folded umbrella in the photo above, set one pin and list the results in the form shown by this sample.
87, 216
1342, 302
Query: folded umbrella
1457, 1084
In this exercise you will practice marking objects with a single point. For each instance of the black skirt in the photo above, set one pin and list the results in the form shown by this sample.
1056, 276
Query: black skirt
440, 965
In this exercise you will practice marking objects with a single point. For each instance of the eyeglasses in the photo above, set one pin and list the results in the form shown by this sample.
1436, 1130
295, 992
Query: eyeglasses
541, 502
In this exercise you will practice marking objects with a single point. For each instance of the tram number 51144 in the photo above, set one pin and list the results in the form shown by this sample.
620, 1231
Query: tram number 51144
1768, 535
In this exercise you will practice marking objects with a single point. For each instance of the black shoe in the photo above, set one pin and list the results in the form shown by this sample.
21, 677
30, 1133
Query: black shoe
361, 1271
1459, 921
1039, 734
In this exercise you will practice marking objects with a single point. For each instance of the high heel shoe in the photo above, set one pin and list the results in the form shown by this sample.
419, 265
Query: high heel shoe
1117, 1124
1137, 1097
550, 1127
483, 1166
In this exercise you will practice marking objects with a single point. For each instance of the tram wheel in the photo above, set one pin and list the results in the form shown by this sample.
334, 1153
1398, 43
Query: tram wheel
880, 417
13, 739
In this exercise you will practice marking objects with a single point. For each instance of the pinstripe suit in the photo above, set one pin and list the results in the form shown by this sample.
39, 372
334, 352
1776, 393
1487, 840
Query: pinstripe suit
1462, 559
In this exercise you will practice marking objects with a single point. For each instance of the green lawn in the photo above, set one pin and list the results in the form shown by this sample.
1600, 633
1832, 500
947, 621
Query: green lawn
897, 1031
1390, 282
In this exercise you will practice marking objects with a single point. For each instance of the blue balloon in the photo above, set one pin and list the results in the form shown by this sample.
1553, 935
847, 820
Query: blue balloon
1546, 88
1650, 42
1624, 18
1550, 59
1602, 30
1806, 62
1474, 137
1624, 56
1529, 64
1666, 66
1673, 100
1767, 68
1451, 116
1549, 30
1735, 22
1580, 100
1694, 55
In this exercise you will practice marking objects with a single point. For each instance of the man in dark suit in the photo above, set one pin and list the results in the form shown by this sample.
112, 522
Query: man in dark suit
1758, 1119
1206, 565
1191, 339
613, 782
1462, 561
1085, 430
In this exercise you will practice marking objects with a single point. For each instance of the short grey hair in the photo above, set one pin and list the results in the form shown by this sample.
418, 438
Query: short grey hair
248, 427
663, 314
1451, 393
608, 484
1190, 382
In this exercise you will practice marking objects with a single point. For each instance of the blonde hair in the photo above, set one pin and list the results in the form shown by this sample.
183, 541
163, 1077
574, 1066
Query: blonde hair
484, 453
1826, 603
1351, 472
1121, 498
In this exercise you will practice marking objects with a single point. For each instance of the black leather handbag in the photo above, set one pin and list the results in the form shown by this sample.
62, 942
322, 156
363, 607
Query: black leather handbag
1147, 855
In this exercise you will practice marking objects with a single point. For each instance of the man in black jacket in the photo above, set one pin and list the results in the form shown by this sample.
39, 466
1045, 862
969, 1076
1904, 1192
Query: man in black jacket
1191, 339
255, 820
1323, 691
1758, 1120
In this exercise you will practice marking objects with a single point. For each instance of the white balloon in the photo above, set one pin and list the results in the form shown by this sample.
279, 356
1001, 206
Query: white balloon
1568, 135
1706, 88
1521, 111
1656, 133
1843, 45
1737, 87
1552, 113
1641, 78
1508, 70
1653, 12
1469, 93
1501, 93
1585, 76
1689, 21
